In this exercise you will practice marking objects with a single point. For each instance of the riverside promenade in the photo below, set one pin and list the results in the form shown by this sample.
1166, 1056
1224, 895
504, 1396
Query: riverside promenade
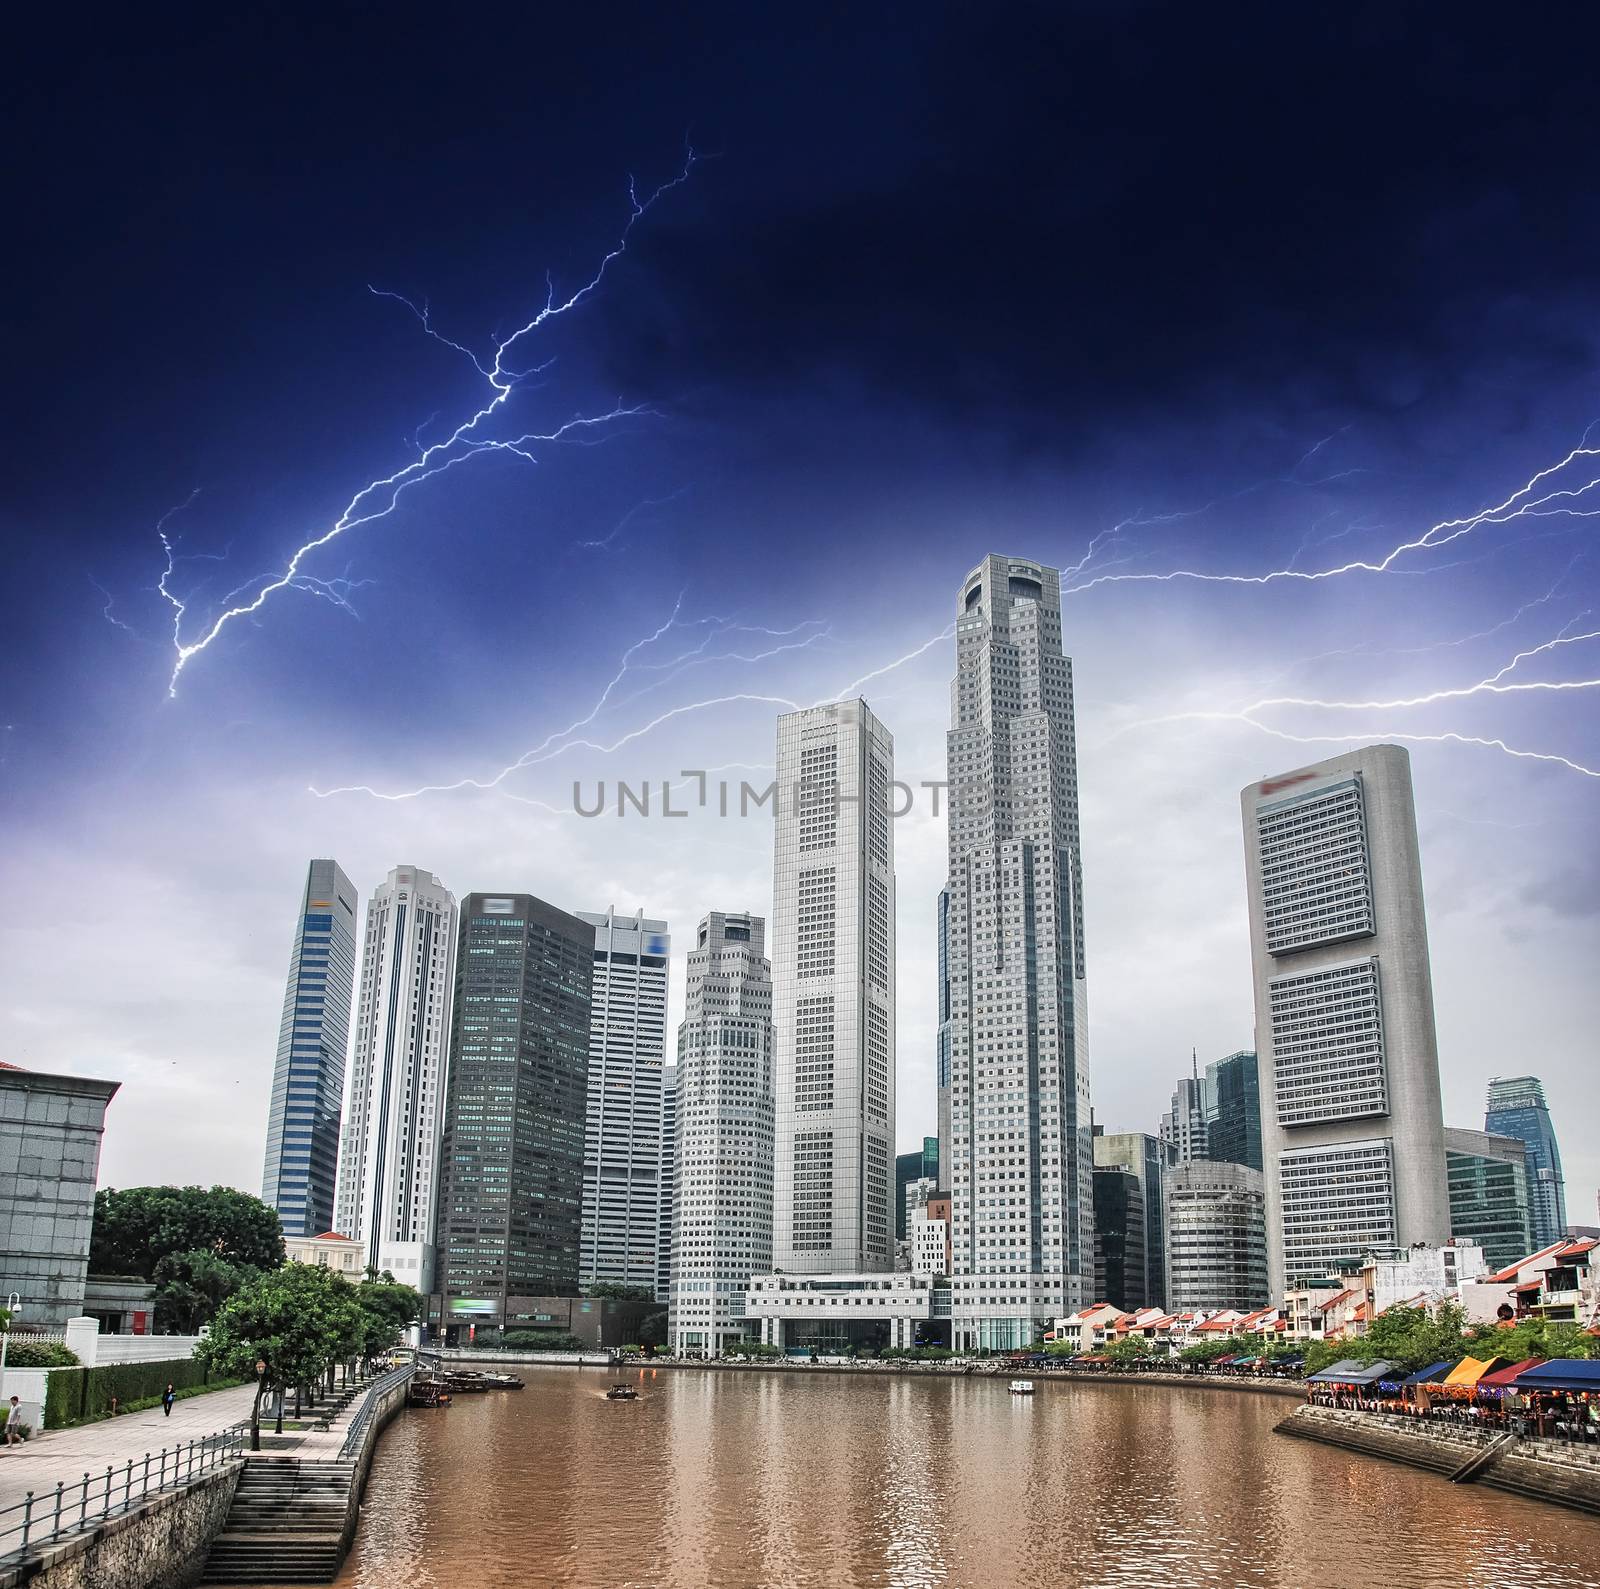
64, 1455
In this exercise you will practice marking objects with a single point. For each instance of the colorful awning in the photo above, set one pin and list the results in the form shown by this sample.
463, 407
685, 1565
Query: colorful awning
1562, 1373
1429, 1375
1466, 1374
1503, 1378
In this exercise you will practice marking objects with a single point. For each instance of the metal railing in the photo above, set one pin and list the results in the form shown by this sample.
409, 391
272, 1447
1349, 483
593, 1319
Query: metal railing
379, 1388
43, 1517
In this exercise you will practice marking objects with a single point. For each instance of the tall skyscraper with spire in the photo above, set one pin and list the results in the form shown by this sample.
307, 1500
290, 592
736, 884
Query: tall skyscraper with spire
833, 992
308, 1080
394, 1100
1021, 1156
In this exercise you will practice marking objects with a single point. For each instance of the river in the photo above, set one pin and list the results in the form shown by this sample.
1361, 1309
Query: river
809, 1478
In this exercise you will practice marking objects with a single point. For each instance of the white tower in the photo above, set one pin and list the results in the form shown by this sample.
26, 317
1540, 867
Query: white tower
833, 992
1352, 1133
389, 1148
1021, 1173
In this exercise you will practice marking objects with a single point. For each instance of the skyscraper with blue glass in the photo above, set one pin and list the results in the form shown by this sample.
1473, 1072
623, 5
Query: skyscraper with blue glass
1517, 1109
308, 1079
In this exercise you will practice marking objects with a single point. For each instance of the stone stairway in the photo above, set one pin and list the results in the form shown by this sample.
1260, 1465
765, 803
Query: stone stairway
286, 1524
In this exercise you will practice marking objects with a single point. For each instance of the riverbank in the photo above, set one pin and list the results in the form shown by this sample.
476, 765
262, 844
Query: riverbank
1542, 1470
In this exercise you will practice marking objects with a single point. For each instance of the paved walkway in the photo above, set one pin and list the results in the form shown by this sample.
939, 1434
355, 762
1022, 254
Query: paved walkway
64, 1454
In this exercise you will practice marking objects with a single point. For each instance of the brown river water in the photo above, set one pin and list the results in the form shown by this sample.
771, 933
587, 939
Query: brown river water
809, 1478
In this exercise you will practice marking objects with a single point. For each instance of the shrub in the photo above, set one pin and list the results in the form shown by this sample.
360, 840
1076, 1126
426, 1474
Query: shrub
84, 1394
39, 1354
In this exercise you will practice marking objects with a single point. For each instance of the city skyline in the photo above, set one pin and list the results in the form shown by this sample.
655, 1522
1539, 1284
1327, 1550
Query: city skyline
877, 351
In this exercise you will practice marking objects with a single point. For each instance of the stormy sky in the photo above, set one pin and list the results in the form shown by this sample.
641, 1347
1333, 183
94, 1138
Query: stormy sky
1142, 290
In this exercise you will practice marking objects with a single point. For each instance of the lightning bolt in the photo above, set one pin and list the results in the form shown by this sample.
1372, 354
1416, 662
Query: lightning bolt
107, 614
379, 498
647, 506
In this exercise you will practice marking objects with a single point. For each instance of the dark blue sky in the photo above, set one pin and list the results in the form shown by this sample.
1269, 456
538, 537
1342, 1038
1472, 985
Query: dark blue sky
1283, 286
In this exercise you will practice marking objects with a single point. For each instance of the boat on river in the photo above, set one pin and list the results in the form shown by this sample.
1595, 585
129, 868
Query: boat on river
1022, 1387
622, 1393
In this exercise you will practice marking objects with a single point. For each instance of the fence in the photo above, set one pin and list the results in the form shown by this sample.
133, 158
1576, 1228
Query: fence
356, 1431
42, 1519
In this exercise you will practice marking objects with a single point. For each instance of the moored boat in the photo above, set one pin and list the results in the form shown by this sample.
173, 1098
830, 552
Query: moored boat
1022, 1387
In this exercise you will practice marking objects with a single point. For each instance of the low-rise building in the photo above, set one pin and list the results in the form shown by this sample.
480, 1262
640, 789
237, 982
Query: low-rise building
929, 1227
1560, 1282
834, 1314
330, 1250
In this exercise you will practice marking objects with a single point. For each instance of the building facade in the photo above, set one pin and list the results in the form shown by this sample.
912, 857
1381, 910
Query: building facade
1489, 1201
725, 1107
941, 1056
838, 1314
622, 1167
1183, 1126
1021, 1161
1148, 1158
669, 1182
394, 1093
1516, 1108
1216, 1222
918, 1165
833, 992
1351, 1125
343, 1254
1233, 1110
300, 1175
50, 1131
511, 1198
929, 1238
1119, 1238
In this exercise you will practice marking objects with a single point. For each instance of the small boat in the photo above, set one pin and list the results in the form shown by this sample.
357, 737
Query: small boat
1022, 1387
622, 1393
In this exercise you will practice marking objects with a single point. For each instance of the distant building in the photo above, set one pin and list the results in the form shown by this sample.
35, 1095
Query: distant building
724, 1112
843, 1313
1183, 1126
1351, 1124
930, 1238
1233, 1110
302, 1161
833, 980
50, 1130
510, 1207
1489, 1193
394, 1095
669, 1182
918, 1165
1148, 1158
343, 1254
1560, 1282
1120, 1274
622, 1139
942, 1042
1517, 1108
1216, 1228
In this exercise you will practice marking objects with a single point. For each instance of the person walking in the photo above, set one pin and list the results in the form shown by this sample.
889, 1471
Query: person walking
168, 1396
14, 1422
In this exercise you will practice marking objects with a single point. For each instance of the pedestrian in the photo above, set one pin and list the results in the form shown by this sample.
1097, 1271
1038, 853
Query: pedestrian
14, 1422
168, 1396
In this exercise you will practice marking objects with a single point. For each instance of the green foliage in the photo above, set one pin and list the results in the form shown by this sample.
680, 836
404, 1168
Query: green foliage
1532, 1337
389, 1307
136, 1228
618, 1292
39, 1354
544, 1341
299, 1320
83, 1395
191, 1286
1130, 1349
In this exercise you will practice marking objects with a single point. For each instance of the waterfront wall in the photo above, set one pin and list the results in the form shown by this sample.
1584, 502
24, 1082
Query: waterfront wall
1544, 1470
160, 1544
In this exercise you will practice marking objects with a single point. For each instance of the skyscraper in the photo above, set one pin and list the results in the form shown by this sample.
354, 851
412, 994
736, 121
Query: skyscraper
622, 1148
942, 1049
1147, 1159
833, 992
1351, 1129
308, 1079
1489, 1201
389, 1147
1183, 1126
1020, 1162
1216, 1237
919, 1164
1233, 1110
725, 1112
1119, 1238
669, 1182
1517, 1109
510, 1206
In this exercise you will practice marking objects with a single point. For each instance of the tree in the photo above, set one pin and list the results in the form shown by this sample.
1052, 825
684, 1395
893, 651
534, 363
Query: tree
136, 1228
618, 1292
388, 1307
191, 1286
296, 1321
1130, 1349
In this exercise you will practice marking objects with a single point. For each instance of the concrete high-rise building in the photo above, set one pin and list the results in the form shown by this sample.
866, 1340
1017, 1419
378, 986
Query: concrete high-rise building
1216, 1237
1183, 1126
1020, 1158
1119, 1238
725, 1113
302, 1161
920, 1164
622, 1178
1351, 1128
833, 992
942, 1041
50, 1131
1517, 1109
669, 1182
394, 1094
511, 1198
1147, 1158
1489, 1201
1233, 1110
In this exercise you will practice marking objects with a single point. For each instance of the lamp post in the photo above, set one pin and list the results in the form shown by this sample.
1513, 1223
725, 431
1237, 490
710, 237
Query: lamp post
255, 1409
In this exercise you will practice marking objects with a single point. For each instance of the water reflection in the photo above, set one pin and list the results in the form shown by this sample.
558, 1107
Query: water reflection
818, 1479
